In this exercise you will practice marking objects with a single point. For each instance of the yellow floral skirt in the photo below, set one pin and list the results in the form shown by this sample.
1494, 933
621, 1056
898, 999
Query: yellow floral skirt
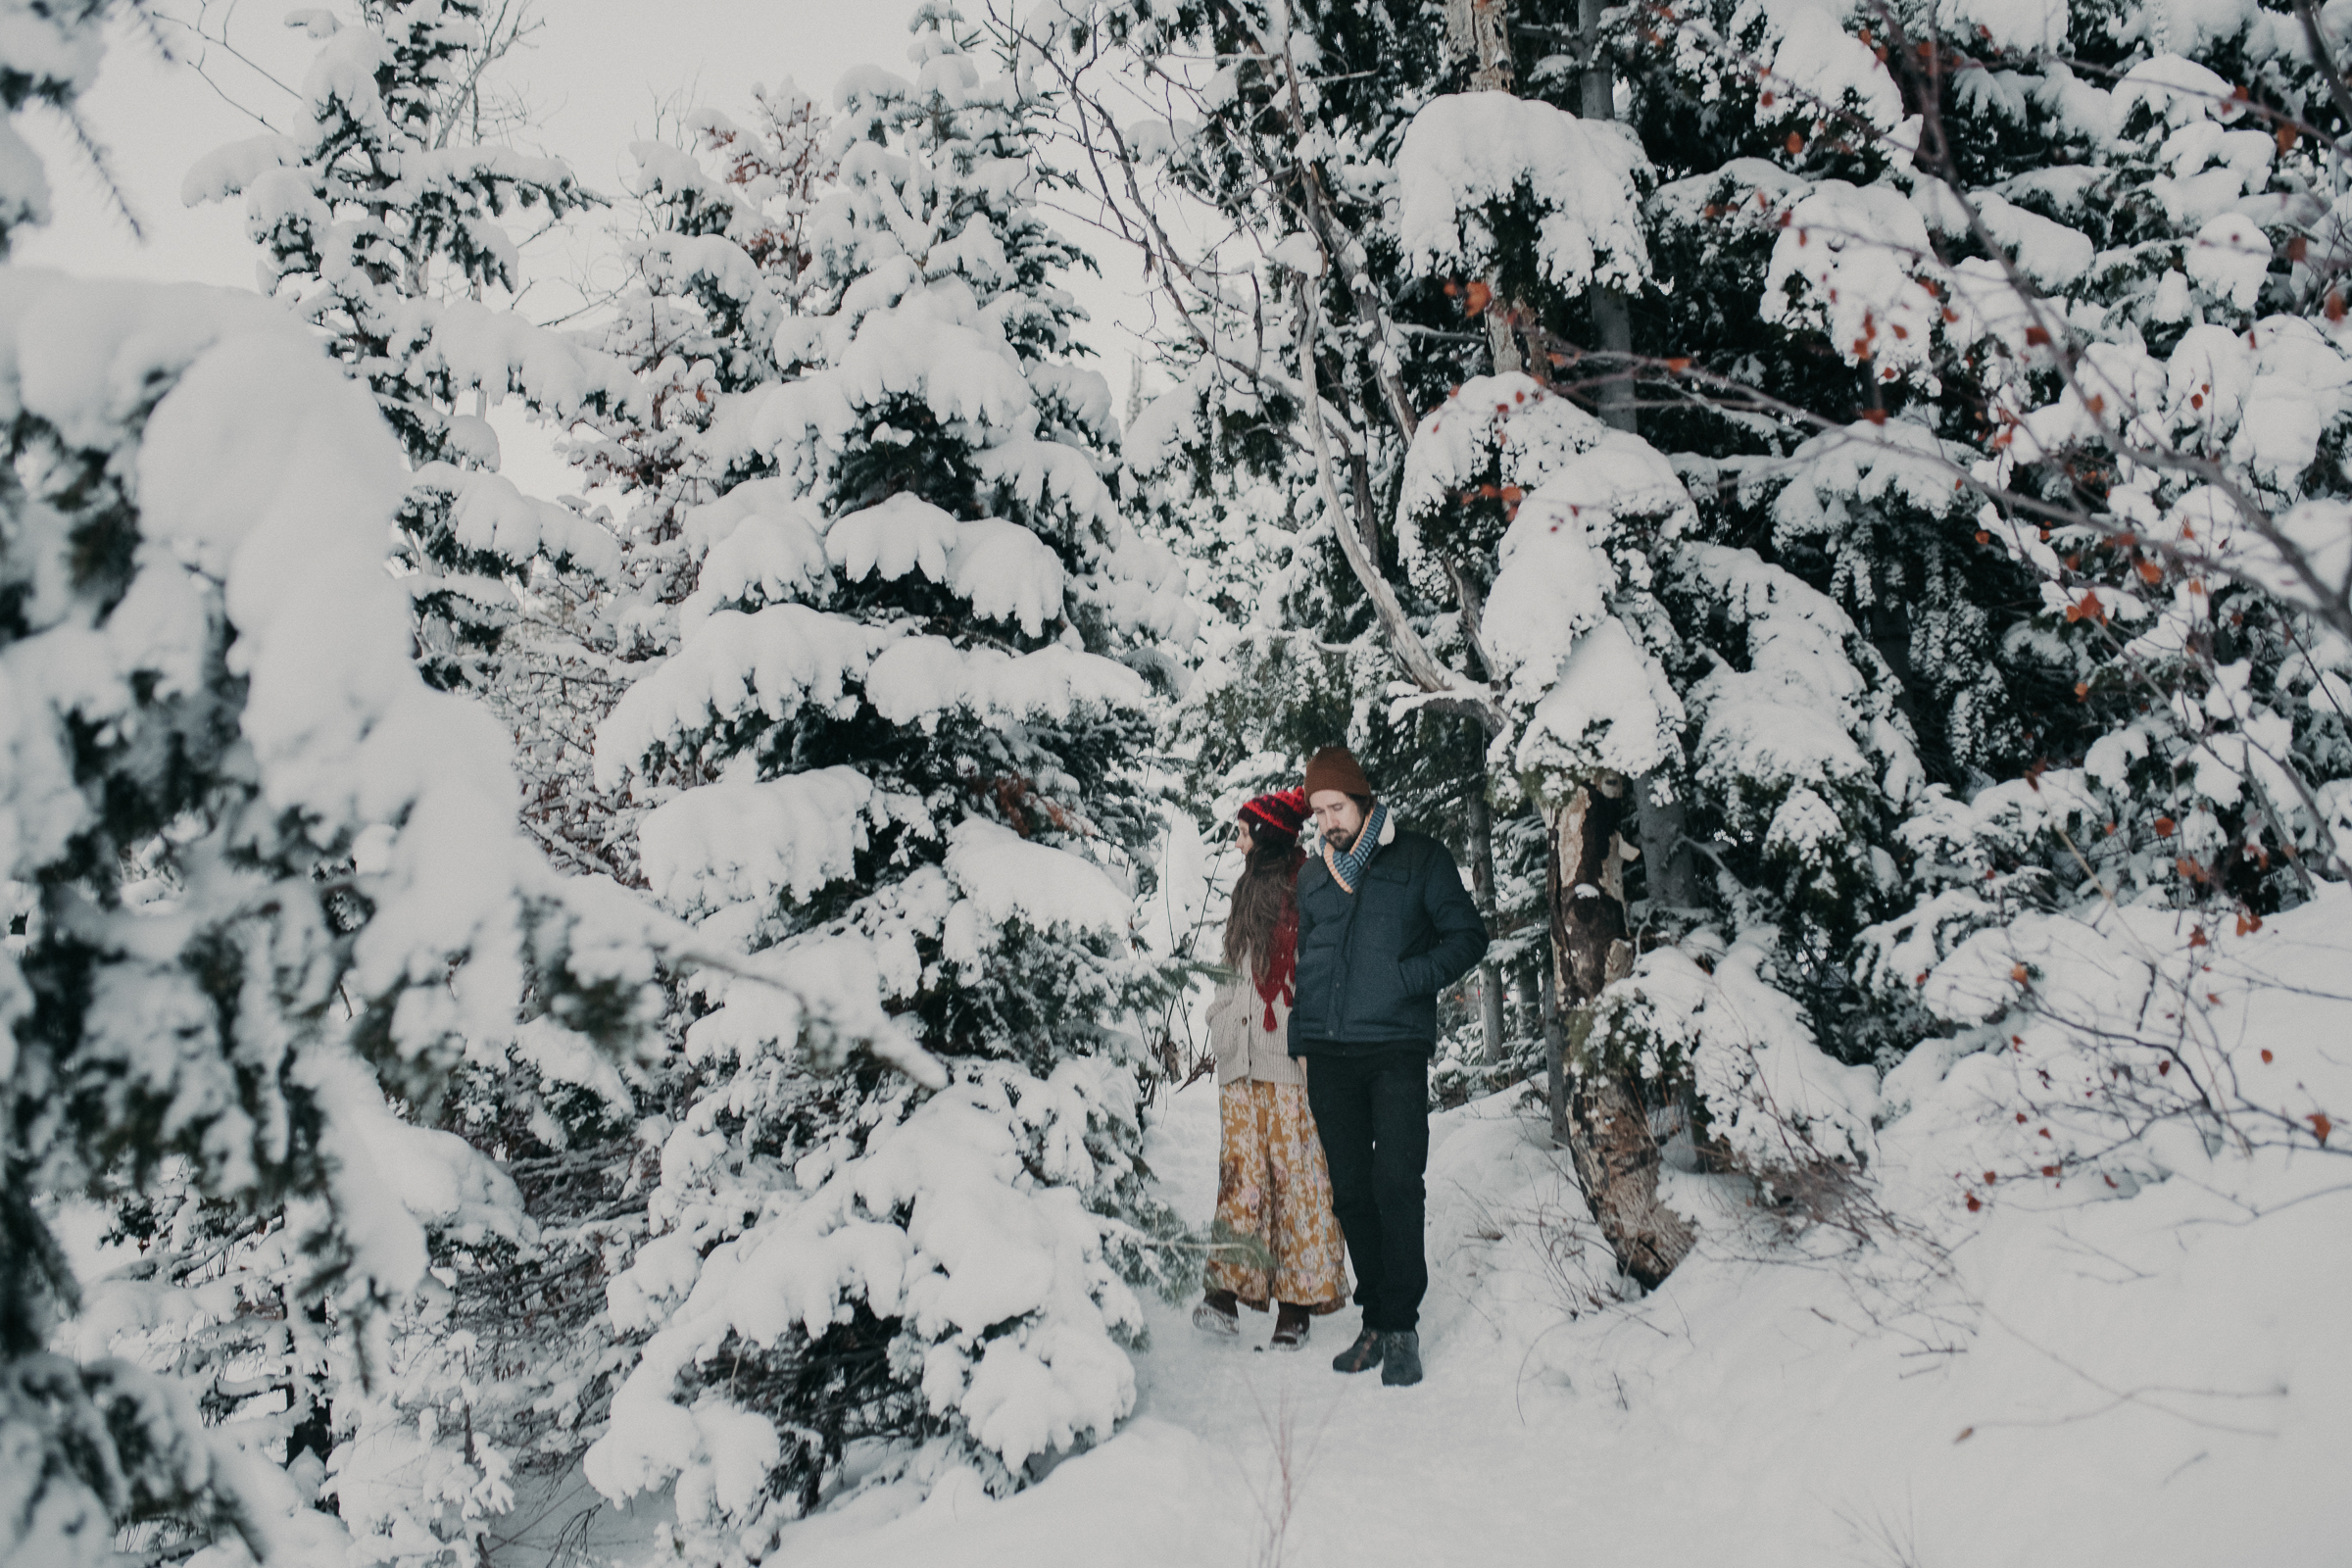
1275, 1236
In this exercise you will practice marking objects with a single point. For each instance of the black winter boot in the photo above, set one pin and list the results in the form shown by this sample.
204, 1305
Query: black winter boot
1400, 1358
1361, 1357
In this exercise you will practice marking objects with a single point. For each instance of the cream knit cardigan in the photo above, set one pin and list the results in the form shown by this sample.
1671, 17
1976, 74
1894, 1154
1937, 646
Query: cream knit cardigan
1245, 1049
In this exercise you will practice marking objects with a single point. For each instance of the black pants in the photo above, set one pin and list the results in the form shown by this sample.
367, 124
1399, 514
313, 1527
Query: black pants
1372, 1111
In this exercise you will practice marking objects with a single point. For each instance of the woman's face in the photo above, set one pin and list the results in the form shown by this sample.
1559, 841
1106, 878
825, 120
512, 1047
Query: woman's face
1240, 833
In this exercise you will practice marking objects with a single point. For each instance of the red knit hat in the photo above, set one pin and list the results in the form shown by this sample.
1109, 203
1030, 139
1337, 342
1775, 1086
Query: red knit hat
1283, 812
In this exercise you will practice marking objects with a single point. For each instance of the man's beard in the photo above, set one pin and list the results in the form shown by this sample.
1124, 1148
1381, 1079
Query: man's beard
1343, 839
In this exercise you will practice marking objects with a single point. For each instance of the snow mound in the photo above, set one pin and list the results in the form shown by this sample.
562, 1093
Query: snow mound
905, 533
1611, 707
1846, 264
1513, 420
760, 550
919, 680
1774, 1099
1818, 64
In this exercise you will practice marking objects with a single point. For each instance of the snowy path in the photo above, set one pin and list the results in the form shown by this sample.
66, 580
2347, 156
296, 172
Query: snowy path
1748, 1415
1196, 1477
1509, 1452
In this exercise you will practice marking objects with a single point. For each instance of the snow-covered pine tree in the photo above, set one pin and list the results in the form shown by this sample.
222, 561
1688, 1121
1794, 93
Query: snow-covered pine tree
716, 259
263, 882
2083, 306
895, 752
497, 1384
382, 221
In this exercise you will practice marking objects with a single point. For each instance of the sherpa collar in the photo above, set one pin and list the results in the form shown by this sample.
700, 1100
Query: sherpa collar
1347, 869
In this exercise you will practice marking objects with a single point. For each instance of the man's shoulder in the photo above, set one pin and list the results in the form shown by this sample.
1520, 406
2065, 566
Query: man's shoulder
1419, 846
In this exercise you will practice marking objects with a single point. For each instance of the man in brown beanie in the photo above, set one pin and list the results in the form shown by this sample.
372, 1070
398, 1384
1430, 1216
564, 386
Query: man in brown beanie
1383, 925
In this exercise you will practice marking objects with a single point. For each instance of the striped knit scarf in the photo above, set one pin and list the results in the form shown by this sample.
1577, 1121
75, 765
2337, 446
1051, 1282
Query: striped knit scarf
1347, 869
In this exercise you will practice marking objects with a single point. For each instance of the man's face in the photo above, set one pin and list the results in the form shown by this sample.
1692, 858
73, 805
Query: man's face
1338, 816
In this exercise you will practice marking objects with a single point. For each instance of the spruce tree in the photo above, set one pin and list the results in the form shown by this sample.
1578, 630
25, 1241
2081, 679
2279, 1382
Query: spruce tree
896, 751
716, 256
2081, 323
384, 223
263, 886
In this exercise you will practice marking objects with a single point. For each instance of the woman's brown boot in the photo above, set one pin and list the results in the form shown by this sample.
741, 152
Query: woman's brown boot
1289, 1326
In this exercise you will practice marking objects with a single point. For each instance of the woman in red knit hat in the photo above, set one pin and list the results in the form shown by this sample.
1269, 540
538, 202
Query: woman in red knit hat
1275, 1238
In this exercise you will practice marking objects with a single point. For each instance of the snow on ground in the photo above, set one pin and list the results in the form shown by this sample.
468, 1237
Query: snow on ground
2083, 1379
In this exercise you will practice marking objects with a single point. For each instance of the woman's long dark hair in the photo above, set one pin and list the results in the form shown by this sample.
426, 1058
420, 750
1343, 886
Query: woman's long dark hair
1262, 902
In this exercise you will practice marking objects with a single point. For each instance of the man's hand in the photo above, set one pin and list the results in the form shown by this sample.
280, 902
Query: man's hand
1461, 930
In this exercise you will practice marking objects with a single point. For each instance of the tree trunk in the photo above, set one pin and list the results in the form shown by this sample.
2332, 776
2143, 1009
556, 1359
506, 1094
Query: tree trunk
1617, 1160
1480, 31
1613, 336
1555, 1067
1367, 519
1586, 884
1595, 1111
1612, 325
1666, 859
1482, 885
1667, 866
1490, 991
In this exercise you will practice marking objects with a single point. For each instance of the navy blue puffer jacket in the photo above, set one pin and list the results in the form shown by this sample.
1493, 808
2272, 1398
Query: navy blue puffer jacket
1372, 962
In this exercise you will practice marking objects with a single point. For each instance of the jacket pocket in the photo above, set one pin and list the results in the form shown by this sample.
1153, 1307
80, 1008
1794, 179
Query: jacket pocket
1228, 1036
1376, 1000
1417, 982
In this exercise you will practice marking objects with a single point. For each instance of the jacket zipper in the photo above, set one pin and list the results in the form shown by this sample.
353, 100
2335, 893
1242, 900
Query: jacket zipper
1347, 956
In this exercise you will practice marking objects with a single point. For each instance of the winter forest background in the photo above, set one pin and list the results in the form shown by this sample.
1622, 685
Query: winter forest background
614, 789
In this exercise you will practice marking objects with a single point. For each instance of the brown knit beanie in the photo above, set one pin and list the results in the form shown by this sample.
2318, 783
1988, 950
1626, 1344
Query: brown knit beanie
1333, 768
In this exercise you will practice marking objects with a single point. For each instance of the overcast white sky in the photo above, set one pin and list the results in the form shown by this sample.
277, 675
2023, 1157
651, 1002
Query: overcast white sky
594, 76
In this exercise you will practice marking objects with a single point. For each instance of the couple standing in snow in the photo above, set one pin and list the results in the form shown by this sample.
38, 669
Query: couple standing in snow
1323, 1037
